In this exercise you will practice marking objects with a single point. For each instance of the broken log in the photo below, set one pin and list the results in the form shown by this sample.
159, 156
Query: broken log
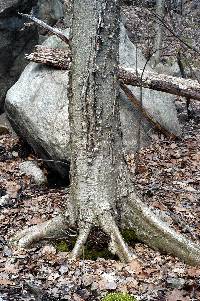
161, 82
55, 57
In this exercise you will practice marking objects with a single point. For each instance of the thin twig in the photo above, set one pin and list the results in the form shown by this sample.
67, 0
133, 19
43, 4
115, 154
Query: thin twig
42, 24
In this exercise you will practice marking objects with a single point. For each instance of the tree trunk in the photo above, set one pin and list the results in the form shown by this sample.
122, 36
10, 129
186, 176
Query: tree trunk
102, 193
96, 145
160, 9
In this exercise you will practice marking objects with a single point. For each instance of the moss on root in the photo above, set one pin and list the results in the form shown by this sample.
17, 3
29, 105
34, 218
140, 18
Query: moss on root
93, 254
129, 236
89, 252
97, 245
118, 297
62, 246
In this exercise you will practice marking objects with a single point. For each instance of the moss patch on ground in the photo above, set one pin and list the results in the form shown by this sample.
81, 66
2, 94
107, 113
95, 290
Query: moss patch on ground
118, 297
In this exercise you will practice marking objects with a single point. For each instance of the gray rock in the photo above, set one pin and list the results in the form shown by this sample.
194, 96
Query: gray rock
109, 281
37, 107
5, 123
50, 11
175, 282
14, 42
158, 104
4, 200
31, 168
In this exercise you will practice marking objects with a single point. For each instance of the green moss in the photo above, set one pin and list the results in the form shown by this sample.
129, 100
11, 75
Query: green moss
129, 236
62, 246
93, 254
118, 297
97, 245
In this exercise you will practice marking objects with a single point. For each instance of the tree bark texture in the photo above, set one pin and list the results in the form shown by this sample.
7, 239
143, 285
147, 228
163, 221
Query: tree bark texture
94, 120
160, 10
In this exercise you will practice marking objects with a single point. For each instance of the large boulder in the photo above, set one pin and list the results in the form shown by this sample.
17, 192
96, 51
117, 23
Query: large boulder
37, 107
15, 41
50, 11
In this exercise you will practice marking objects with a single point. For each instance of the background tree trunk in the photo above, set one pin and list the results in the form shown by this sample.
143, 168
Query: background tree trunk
160, 10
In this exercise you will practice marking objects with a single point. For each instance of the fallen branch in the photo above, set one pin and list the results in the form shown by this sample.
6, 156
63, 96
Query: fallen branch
55, 57
60, 58
161, 82
150, 118
182, 87
42, 24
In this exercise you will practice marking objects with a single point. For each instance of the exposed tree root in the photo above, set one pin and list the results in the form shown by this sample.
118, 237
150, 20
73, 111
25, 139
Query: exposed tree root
117, 244
156, 233
135, 216
55, 227
81, 240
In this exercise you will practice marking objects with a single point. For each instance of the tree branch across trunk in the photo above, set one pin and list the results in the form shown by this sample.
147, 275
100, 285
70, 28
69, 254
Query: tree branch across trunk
161, 82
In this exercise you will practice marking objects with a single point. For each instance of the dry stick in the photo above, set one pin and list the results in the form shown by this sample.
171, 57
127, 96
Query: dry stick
137, 104
42, 24
161, 82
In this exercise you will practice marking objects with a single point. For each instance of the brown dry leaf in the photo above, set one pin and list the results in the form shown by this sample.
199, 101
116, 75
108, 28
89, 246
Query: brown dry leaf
157, 204
173, 145
11, 268
35, 220
135, 266
194, 272
177, 295
12, 189
77, 298
4, 281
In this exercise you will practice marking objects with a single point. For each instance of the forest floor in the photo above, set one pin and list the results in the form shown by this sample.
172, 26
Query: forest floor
169, 181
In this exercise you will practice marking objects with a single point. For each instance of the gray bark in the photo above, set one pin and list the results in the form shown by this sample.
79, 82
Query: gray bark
96, 146
160, 9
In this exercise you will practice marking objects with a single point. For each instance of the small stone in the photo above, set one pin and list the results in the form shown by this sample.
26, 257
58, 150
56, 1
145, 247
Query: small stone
7, 251
15, 154
108, 282
63, 269
31, 168
47, 250
4, 200
176, 282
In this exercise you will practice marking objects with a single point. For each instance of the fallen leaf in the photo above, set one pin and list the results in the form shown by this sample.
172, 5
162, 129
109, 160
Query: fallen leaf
12, 189
177, 295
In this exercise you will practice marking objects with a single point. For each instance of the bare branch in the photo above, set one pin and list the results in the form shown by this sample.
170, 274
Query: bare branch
42, 24
150, 118
160, 82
